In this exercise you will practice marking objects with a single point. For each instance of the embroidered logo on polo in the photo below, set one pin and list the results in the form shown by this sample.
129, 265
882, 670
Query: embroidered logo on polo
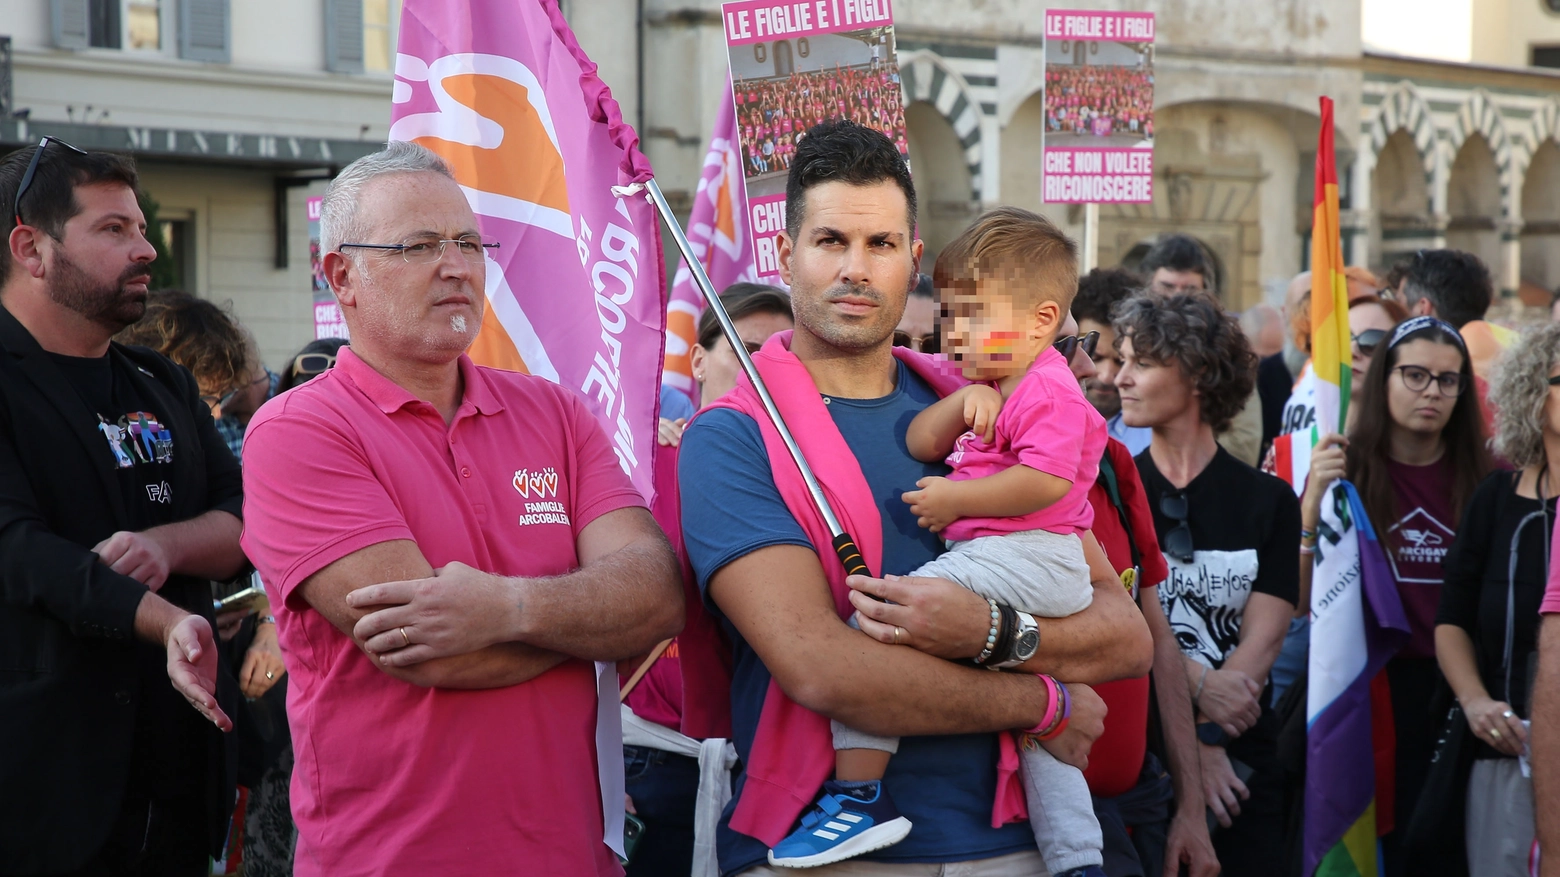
539, 488
137, 438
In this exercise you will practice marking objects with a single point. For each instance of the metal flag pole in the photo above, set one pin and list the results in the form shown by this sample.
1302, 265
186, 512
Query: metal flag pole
844, 545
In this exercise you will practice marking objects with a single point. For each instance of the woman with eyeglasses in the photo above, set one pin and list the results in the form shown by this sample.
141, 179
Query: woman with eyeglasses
1416, 454
1228, 534
1486, 629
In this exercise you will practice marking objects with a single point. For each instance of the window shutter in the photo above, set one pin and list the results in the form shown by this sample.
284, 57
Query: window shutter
72, 23
204, 31
344, 36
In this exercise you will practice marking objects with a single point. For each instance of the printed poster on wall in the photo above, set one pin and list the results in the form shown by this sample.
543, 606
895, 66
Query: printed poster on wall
794, 65
1098, 140
328, 322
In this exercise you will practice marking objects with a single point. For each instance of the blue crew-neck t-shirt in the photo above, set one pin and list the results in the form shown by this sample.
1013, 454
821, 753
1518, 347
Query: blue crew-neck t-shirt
730, 508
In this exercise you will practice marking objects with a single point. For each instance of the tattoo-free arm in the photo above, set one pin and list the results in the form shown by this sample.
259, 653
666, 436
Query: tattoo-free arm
1107, 641
1262, 628
934, 432
1175, 709
1016, 490
205, 546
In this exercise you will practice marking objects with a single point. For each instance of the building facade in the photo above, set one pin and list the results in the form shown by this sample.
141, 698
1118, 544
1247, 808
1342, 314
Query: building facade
238, 110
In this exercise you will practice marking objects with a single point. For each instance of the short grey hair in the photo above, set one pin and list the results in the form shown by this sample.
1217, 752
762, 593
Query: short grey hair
338, 212
1519, 389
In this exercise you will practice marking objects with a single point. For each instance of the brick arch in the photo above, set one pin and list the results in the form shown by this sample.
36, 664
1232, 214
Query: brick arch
927, 77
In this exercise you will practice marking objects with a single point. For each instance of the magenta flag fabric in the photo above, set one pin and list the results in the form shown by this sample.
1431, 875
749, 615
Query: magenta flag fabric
717, 228
577, 290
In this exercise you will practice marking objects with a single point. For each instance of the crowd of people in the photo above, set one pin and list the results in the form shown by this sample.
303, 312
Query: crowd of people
426, 564
773, 113
1099, 100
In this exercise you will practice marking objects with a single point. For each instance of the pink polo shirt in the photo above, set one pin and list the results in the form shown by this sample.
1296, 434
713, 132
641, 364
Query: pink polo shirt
392, 778
1551, 604
1046, 424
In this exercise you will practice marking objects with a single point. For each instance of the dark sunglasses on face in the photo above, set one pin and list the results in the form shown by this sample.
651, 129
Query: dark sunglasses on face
1072, 343
1368, 340
32, 171
1178, 542
928, 343
1417, 379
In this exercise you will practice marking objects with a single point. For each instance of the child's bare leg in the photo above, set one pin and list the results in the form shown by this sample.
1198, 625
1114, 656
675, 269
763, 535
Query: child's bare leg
860, 765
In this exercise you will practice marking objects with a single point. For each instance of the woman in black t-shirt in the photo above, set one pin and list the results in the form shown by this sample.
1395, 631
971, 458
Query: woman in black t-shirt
1416, 453
1229, 534
1487, 624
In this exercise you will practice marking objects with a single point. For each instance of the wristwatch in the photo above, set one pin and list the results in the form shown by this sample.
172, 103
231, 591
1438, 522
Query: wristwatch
1026, 641
1211, 734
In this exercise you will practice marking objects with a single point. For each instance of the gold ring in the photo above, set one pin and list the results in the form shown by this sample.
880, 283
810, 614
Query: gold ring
896, 635
404, 636
270, 675
1495, 732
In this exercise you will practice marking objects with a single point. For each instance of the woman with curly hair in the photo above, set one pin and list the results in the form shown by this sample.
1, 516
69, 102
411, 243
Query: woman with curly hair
198, 335
1229, 534
1416, 453
1487, 624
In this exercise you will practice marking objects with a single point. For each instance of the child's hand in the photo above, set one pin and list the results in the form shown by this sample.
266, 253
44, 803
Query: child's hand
982, 404
933, 504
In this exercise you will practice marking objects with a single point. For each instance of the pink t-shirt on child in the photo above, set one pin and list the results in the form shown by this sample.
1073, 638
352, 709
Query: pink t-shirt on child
392, 778
1046, 424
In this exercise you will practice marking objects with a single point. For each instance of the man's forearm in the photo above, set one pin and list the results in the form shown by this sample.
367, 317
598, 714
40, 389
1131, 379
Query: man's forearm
154, 617
205, 546
1545, 744
615, 608
496, 666
1107, 641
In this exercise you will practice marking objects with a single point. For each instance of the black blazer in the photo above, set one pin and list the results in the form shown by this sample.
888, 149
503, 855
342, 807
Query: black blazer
69, 684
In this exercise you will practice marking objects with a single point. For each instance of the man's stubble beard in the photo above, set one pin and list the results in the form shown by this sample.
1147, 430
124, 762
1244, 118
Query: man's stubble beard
812, 314
109, 306
1111, 406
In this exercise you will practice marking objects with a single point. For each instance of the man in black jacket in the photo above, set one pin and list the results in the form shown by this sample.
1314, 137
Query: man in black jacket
118, 503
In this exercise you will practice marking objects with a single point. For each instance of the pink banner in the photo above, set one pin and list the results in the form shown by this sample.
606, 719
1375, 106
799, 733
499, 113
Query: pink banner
717, 229
756, 21
576, 293
1099, 107
1081, 24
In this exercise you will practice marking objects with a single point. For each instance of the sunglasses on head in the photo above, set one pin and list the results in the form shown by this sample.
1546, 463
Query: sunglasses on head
32, 171
1368, 340
928, 343
1178, 542
313, 363
1072, 343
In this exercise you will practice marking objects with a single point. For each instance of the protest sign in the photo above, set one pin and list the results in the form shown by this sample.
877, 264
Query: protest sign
794, 65
1098, 144
328, 322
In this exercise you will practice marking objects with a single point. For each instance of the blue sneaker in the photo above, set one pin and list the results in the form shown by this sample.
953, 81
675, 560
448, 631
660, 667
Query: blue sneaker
850, 819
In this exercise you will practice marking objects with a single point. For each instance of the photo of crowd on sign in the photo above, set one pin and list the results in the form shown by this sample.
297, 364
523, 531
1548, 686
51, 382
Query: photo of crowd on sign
1099, 93
857, 81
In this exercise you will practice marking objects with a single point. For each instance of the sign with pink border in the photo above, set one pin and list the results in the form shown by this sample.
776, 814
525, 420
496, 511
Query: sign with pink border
1099, 107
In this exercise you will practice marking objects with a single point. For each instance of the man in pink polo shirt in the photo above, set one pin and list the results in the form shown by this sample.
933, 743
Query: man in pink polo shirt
453, 546
1544, 742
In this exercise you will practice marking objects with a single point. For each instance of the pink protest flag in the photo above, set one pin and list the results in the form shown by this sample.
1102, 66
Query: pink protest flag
576, 291
717, 229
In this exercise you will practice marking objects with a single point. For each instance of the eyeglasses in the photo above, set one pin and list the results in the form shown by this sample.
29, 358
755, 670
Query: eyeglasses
263, 379
1417, 379
1178, 542
428, 248
1368, 340
1069, 345
931, 342
1554, 381
32, 171
312, 364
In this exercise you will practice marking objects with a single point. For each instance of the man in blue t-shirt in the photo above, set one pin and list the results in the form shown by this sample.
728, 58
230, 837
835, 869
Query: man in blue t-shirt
850, 257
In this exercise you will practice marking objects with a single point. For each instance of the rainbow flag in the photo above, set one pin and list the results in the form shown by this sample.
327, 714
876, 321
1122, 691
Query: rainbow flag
1330, 354
717, 229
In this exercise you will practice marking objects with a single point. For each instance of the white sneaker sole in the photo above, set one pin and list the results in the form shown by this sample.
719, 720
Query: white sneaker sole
874, 838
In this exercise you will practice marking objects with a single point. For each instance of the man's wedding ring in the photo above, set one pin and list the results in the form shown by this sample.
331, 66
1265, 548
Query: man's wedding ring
404, 636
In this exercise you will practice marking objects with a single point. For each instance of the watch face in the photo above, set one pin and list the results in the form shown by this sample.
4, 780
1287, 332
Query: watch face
1028, 642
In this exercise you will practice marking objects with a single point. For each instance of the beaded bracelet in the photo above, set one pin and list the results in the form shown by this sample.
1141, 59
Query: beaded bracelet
991, 638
